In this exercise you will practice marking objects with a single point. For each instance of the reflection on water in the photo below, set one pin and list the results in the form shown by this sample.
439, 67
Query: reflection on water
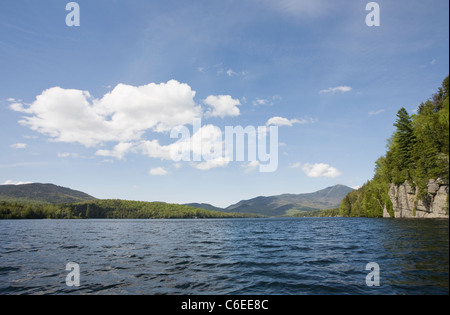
240, 256
418, 254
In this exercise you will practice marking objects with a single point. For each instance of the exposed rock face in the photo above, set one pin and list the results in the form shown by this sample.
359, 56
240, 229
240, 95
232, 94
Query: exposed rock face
407, 204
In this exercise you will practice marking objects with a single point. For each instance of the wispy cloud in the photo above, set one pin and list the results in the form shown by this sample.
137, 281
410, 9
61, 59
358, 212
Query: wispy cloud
342, 89
18, 146
270, 101
280, 121
296, 165
376, 112
25, 164
159, 171
250, 167
231, 72
301, 8
214, 163
118, 151
13, 182
68, 155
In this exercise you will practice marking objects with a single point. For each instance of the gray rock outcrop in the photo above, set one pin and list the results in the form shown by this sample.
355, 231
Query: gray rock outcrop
406, 203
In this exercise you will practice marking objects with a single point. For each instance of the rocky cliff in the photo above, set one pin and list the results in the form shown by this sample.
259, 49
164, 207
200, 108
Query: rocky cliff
406, 203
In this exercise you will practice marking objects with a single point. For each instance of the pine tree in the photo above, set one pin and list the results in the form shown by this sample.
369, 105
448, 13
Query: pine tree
404, 140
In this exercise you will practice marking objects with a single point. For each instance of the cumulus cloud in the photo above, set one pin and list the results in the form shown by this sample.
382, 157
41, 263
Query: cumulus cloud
159, 171
280, 121
207, 144
19, 146
122, 121
122, 115
320, 170
221, 106
342, 89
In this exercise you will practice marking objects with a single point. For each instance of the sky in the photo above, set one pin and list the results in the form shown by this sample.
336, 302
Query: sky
93, 107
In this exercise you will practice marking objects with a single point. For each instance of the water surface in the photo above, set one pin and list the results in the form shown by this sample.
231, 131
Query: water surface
217, 256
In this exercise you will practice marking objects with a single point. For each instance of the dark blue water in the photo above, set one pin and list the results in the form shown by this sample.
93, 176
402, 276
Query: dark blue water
216, 257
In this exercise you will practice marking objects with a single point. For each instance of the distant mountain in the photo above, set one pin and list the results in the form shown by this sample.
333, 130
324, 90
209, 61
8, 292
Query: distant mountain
291, 204
287, 204
205, 206
41, 193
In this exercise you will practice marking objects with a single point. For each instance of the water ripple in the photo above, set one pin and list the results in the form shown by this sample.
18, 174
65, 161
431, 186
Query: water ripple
264, 256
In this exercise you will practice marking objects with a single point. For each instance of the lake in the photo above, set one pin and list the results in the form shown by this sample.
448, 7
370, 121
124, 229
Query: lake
304, 256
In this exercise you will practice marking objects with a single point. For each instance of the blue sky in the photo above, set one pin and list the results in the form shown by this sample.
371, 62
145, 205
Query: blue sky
91, 107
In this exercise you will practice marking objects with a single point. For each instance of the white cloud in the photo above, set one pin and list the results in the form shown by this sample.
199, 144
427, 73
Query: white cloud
261, 101
433, 62
250, 167
206, 142
343, 89
122, 115
12, 182
222, 105
30, 137
231, 72
67, 155
320, 170
118, 151
280, 121
301, 8
270, 101
154, 150
376, 112
159, 171
116, 123
19, 146
215, 163
295, 165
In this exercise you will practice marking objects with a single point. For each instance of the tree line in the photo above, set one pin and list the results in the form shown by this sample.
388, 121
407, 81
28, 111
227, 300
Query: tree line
108, 209
417, 152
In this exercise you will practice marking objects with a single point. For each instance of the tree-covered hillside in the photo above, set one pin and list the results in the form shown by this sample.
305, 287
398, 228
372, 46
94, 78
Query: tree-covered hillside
292, 204
108, 209
417, 152
41, 193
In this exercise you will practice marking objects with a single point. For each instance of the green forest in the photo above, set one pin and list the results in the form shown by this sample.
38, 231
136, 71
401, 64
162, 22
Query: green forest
417, 152
108, 209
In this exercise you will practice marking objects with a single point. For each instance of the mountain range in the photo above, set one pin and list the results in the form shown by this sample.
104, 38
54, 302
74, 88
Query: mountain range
42, 193
287, 204
280, 205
